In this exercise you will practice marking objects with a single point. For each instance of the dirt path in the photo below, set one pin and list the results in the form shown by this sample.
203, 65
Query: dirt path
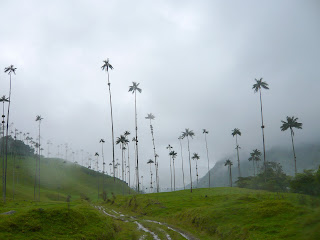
151, 229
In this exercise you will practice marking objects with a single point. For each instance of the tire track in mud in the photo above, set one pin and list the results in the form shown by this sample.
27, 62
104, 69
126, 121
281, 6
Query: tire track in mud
119, 216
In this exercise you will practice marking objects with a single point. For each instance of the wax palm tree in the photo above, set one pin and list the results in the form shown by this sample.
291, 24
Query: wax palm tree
236, 132
229, 164
121, 140
290, 124
3, 99
196, 157
134, 88
257, 88
205, 132
173, 156
106, 66
184, 185
188, 133
169, 149
11, 69
150, 162
151, 117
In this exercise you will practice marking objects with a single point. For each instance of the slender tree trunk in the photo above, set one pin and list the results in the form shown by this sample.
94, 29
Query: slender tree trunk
103, 168
184, 185
205, 137
197, 173
239, 172
136, 120
190, 164
174, 176
294, 153
122, 165
35, 180
254, 170
155, 157
14, 167
263, 142
114, 179
7, 136
129, 170
39, 162
3, 152
170, 171
230, 176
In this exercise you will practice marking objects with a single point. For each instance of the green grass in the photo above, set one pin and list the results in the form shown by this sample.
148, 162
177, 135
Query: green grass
230, 213
51, 218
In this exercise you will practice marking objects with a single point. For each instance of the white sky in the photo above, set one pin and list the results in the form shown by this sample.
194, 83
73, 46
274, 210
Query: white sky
196, 62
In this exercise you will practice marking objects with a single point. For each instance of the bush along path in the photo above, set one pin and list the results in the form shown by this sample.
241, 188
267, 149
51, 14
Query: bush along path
148, 229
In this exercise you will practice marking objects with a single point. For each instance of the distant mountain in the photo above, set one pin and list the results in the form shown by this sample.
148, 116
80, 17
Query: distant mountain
308, 157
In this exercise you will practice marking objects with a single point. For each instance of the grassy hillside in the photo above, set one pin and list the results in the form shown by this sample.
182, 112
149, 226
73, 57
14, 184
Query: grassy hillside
230, 213
58, 180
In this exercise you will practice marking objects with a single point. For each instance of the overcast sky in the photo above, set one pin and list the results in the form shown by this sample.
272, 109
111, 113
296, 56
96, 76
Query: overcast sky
196, 62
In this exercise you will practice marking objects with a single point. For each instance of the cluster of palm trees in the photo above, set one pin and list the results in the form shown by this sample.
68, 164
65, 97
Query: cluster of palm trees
255, 155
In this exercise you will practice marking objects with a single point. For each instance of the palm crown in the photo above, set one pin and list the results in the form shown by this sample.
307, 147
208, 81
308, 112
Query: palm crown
228, 163
122, 139
150, 116
235, 132
10, 69
126, 133
195, 156
187, 133
38, 118
96, 154
259, 84
205, 131
106, 65
150, 161
173, 154
134, 88
291, 123
101, 140
4, 99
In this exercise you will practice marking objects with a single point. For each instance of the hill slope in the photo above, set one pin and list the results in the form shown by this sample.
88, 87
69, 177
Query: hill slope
58, 179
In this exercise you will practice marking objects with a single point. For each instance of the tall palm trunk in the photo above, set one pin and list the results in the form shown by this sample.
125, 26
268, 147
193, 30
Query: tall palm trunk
103, 168
230, 175
174, 176
263, 142
136, 121
39, 164
7, 136
190, 164
129, 169
155, 157
114, 179
170, 171
239, 171
197, 173
122, 165
205, 137
184, 185
3, 152
35, 180
254, 170
294, 152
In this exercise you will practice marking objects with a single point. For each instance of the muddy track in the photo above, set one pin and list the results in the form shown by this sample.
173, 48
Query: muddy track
157, 230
